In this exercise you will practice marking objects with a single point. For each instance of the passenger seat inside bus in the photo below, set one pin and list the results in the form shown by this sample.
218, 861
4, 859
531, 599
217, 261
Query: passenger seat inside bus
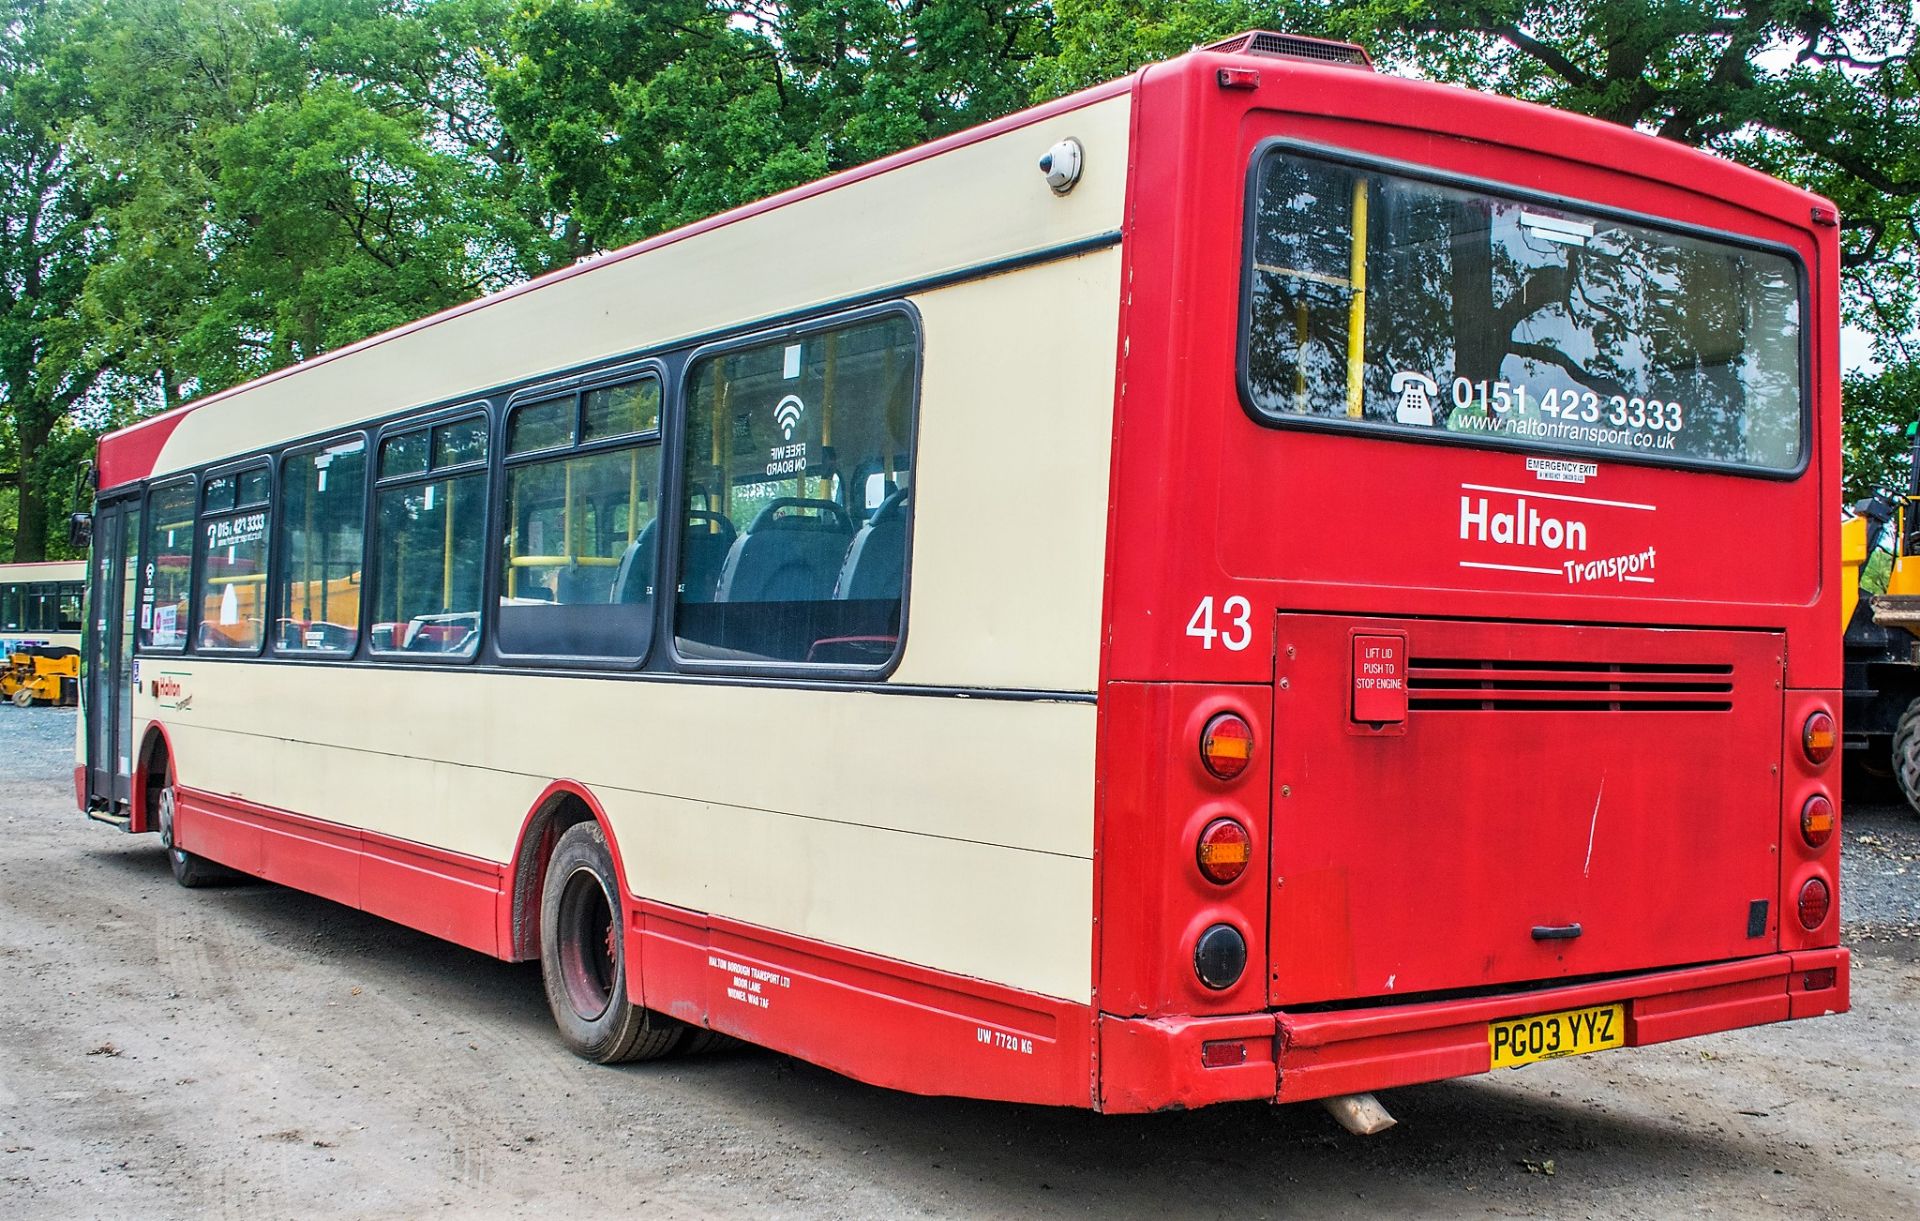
791, 553
709, 538
874, 563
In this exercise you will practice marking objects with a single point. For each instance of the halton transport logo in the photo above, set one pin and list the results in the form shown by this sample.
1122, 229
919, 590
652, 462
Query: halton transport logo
1552, 534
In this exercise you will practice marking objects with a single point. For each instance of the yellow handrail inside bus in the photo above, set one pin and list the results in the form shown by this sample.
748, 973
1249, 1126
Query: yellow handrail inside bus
446, 550
1300, 331
562, 561
306, 559
633, 494
1357, 306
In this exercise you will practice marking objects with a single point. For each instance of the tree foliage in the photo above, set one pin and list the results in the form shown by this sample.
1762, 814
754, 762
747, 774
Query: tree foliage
193, 192
51, 234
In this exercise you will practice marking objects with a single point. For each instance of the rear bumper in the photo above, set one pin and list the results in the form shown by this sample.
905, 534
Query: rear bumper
1155, 1064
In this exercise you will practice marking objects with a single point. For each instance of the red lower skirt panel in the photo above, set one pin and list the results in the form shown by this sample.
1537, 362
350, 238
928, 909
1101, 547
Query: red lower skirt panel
878, 1020
1323, 1054
1155, 1064
447, 894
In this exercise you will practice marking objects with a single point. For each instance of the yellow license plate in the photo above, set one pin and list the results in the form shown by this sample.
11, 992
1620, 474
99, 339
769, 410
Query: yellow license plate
1551, 1036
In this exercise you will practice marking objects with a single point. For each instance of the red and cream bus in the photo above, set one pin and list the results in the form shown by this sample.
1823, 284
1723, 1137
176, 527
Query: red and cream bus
1234, 584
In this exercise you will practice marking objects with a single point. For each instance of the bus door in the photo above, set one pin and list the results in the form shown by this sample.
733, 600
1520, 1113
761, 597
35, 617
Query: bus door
108, 688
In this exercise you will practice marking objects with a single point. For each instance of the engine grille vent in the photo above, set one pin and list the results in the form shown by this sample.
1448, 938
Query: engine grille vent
1449, 684
1293, 46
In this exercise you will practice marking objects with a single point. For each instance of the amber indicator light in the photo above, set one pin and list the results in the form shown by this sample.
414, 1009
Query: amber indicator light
1816, 821
1818, 738
1226, 745
1225, 850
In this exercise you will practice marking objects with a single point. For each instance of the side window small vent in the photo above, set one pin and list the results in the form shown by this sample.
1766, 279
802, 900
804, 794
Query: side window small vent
1293, 46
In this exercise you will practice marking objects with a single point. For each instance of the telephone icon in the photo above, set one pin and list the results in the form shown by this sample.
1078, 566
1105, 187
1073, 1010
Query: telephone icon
1416, 391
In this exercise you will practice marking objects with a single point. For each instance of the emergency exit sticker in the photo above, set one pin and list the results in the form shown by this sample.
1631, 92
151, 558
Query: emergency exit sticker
1379, 679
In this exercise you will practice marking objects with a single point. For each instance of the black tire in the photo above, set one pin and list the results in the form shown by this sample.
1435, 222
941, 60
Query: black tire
189, 870
1906, 755
583, 959
701, 1041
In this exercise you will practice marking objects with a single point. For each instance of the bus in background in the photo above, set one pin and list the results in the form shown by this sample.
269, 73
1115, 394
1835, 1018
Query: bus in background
40, 604
40, 629
933, 622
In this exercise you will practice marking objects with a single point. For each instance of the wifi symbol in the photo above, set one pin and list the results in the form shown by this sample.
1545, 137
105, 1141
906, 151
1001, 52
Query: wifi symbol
787, 414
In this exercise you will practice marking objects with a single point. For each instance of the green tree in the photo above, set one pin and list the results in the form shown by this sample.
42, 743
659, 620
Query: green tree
641, 115
50, 237
1874, 441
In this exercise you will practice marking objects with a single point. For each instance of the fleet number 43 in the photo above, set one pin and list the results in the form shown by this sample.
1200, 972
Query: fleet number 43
1236, 614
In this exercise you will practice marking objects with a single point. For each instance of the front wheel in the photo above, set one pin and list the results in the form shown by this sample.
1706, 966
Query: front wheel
1906, 755
189, 870
583, 957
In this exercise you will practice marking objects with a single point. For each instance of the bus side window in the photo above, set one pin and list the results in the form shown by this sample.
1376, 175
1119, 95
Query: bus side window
429, 544
166, 567
316, 605
797, 453
578, 556
232, 568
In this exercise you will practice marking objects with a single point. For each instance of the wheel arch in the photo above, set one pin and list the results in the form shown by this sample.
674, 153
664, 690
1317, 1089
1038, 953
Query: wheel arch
151, 766
563, 804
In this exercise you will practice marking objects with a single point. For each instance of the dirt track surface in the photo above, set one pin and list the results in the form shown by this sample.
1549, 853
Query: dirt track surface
254, 1051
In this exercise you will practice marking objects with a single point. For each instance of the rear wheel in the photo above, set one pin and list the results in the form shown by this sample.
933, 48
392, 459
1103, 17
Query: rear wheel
1906, 755
583, 957
700, 1041
189, 870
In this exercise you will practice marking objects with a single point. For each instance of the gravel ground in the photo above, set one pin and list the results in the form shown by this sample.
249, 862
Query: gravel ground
254, 1051
1880, 874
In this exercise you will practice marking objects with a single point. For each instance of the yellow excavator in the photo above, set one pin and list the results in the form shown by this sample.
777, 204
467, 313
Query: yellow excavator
1880, 612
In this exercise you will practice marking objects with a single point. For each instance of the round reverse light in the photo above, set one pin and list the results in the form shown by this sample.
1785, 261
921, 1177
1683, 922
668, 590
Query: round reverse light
1220, 956
1224, 850
1816, 821
1226, 745
1818, 738
1815, 901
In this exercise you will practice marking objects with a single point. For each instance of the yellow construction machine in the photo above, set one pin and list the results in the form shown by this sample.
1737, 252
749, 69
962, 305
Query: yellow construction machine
1880, 609
40, 674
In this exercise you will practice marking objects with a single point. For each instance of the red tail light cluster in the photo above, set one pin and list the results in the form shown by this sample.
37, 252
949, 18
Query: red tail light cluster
1224, 850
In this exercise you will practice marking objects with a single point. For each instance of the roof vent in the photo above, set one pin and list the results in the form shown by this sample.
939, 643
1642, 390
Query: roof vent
1293, 46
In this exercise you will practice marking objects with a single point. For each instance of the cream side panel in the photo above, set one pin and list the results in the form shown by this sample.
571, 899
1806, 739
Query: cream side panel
1010, 494
949, 832
977, 203
1013, 773
49, 570
1019, 918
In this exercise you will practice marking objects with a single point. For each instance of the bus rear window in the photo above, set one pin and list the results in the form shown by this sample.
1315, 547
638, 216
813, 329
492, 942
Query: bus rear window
1383, 301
